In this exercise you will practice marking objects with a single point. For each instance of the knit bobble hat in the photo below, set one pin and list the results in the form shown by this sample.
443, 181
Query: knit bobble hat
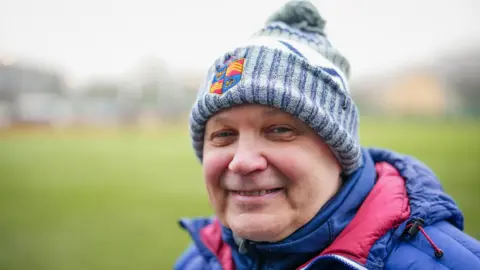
288, 64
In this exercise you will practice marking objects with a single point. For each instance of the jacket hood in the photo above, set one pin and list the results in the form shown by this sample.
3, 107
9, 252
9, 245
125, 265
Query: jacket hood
426, 195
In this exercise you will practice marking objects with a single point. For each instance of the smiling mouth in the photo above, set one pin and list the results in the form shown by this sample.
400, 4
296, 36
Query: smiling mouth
255, 193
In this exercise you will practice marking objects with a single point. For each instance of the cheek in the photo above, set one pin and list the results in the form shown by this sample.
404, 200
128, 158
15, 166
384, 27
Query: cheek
215, 163
310, 177
290, 163
301, 162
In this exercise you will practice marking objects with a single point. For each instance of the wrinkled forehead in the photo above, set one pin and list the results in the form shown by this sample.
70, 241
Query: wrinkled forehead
251, 113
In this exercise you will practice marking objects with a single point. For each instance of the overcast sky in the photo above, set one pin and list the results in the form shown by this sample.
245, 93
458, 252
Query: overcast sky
108, 37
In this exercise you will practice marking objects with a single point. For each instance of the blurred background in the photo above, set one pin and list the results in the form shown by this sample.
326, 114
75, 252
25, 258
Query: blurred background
95, 160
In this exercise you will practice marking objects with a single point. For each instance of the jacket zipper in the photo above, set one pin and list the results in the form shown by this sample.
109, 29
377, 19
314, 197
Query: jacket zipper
349, 263
259, 263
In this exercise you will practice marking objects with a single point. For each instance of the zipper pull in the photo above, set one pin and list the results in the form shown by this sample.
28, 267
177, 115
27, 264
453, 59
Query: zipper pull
414, 227
243, 246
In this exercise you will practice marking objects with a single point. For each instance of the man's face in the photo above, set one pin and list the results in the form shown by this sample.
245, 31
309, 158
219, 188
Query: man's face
266, 172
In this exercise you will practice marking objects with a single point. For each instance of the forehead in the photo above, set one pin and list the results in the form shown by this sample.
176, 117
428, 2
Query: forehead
251, 112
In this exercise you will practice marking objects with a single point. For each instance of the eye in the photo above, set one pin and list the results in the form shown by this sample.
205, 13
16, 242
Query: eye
223, 134
222, 137
281, 133
280, 130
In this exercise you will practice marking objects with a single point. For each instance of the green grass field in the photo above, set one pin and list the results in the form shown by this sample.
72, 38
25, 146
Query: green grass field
97, 200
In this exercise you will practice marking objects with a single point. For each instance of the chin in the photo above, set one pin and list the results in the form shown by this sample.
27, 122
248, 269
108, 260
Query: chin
258, 227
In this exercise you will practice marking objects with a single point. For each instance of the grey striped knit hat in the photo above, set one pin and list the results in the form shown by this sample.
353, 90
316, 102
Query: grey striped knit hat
290, 65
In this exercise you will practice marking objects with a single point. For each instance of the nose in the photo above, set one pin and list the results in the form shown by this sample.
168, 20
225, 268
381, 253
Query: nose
248, 158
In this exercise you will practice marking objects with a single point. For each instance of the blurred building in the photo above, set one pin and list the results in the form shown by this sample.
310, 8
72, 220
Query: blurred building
30, 95
149, 94
417, 92
448, 87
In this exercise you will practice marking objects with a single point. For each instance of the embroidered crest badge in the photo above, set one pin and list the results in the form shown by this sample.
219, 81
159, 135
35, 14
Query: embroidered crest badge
227, 77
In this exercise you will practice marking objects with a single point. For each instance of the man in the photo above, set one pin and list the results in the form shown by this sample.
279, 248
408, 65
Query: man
277, 134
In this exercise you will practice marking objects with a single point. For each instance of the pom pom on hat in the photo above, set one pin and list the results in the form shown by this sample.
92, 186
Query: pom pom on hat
300, 14
301, 21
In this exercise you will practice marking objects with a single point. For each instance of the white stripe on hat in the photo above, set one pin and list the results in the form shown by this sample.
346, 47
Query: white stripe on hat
315, 58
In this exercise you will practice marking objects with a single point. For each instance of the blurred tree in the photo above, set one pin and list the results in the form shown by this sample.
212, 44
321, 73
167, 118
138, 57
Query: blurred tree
461, 71
151, 76
160, 87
